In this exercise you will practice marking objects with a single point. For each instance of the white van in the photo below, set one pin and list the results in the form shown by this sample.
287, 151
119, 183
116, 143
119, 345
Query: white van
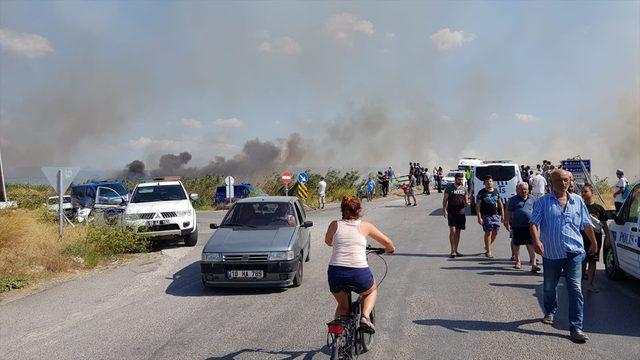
464, 163
506, 177
622, 250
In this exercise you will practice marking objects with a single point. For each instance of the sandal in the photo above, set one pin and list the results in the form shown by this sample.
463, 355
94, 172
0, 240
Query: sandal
517, 266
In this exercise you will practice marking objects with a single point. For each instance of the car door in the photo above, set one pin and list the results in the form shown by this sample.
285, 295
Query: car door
303, 232
108, 205
626, 234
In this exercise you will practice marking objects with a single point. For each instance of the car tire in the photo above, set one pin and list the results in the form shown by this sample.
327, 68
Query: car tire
473, 208
191, 239
297, 279
612, 271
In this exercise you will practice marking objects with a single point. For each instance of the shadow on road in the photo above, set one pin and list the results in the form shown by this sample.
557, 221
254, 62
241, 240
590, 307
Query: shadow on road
283, 354
464, 326
422, 255
188, 282
612, 311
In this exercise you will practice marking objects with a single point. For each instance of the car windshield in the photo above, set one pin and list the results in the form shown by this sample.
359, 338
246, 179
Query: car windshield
497, 172
119, 188
451, 174
158, 193
260, 214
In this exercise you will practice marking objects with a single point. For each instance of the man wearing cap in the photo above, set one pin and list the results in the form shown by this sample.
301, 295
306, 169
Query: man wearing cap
621, 187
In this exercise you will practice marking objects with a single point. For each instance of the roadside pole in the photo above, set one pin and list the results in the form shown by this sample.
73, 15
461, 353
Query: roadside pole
60, 200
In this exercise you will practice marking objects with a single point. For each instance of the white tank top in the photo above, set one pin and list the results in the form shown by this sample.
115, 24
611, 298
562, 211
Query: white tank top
349, 245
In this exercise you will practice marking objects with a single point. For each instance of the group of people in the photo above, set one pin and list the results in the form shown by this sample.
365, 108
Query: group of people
566, 229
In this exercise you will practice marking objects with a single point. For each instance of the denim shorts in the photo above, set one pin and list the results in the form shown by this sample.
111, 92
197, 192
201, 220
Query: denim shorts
341, 278
491, 223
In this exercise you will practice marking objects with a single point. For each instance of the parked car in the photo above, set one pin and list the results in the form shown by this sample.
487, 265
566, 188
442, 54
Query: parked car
162, 209
622, 249
67, 207
240, 191
451, 177
261, 242
84, 195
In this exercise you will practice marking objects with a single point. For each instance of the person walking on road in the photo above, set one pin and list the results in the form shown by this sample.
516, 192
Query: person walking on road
425, 182
322, 189
439, 179
348, 267
556, 222
411, 191
538, 186
599, 220
371, 188
454, 203
516, 220
385, 184
391, 174
489, 210
468, 175
621, 188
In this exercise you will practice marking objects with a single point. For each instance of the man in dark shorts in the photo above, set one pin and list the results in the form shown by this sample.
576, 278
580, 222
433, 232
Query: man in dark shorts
516, 220
599, 220
489, 210
454, 202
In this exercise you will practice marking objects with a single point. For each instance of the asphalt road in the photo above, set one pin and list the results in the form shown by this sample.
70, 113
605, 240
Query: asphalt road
429, 306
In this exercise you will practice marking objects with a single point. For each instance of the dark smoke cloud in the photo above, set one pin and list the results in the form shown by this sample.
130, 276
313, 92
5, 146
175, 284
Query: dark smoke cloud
256, 159
170, 164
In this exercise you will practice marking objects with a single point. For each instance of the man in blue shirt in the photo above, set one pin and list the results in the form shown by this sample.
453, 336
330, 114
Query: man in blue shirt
556, 222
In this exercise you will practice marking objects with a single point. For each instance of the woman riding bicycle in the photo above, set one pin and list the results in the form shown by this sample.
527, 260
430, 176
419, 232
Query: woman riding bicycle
348, 266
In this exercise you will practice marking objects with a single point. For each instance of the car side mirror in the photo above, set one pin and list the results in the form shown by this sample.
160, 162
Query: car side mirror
307, 224
213, 226
194, 196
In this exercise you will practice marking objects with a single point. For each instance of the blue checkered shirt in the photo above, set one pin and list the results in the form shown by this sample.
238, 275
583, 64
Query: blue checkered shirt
560, 229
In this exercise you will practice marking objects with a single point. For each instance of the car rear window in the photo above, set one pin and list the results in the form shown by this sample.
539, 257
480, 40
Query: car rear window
498, 172
158, 193
260, 214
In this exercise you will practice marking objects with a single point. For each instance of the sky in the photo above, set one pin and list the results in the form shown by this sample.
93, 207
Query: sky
100, 84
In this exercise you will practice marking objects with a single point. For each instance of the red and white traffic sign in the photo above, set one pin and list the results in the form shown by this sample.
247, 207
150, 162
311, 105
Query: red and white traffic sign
286, 177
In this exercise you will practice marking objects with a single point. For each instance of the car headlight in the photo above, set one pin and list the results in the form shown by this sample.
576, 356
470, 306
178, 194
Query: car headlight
184, 213
281, 255
211, 256
131, 217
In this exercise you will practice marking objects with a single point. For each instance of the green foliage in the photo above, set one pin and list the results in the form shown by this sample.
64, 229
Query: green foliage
102, 242
29, 196
205, 187
12, 283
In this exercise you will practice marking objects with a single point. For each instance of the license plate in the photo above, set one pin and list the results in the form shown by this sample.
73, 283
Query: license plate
245, 274
157, 222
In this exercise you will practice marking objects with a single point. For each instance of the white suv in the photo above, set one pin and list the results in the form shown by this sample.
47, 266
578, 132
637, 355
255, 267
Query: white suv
622, 250
162, 209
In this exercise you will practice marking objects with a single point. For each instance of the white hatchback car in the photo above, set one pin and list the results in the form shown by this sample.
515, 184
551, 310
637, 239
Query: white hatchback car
162, 209
622, 250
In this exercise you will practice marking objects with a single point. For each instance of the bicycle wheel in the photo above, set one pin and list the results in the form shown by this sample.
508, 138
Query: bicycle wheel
366, 340
335, 348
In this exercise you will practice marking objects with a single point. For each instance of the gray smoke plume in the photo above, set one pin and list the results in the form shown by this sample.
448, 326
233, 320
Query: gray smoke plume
171, 164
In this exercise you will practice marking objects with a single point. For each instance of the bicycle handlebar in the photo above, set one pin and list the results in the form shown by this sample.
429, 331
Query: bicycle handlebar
376, 250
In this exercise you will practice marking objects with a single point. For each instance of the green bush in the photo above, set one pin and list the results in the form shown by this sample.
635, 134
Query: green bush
29, 196
102, 242
12, 283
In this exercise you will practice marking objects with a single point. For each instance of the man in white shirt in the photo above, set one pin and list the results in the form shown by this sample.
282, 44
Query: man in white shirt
322, 188
621, 187
538, 185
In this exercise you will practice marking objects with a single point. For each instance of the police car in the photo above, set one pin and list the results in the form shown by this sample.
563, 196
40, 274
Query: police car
506, 177
162, 209
622, 249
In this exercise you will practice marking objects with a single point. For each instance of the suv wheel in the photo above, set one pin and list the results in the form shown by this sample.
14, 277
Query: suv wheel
191, 239
611, 269
297, 279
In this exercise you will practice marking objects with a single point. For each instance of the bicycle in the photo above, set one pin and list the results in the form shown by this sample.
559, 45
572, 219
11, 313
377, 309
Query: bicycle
345, 339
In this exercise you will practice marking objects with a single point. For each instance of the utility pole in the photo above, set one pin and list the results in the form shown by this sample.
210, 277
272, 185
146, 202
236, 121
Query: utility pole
3, 189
